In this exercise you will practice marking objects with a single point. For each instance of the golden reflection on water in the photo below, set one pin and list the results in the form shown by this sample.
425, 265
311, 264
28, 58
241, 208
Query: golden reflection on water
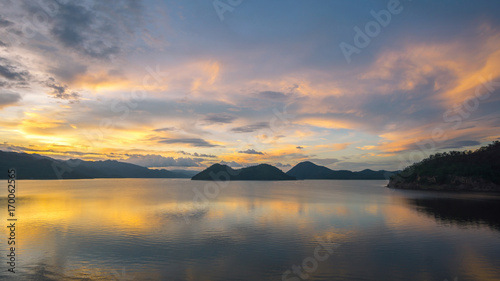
51, 211
118, 210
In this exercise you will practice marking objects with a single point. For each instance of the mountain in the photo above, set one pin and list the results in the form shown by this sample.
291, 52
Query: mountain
260, 172
33, 166
463, 171
309, 170
186, 173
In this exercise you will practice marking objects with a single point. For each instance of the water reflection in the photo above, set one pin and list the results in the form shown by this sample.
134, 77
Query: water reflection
152, 230
464, 213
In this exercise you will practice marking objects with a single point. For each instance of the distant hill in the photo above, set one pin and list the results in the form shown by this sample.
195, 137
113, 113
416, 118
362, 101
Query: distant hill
33, 166
260, 172
309, 170
467, 170
187, 173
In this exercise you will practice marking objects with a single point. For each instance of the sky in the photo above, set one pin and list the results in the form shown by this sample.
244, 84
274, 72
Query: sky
185, 84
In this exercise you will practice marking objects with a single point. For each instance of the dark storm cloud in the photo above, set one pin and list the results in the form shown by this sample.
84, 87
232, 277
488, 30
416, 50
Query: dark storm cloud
251, 128
222, 118
251, 151
197, 142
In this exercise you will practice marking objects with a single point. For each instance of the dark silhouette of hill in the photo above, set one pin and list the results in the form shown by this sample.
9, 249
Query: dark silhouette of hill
188, 173
467, 170
260, 172
309, 170
33, 166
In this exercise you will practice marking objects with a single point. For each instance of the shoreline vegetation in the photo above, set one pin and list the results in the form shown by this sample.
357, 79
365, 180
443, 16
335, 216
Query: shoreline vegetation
477, 170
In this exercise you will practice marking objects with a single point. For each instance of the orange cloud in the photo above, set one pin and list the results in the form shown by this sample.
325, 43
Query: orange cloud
366, 147
327, 123
333, 147
413, 65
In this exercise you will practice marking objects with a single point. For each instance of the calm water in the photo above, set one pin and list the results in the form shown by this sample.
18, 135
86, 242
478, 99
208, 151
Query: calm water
155, 229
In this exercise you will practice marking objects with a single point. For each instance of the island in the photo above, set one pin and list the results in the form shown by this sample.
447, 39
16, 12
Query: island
309, 171
262, 172
455, 171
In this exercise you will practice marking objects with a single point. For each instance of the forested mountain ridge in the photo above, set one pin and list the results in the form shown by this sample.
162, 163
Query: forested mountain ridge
218, 172
455, 170
308, 170
33, 166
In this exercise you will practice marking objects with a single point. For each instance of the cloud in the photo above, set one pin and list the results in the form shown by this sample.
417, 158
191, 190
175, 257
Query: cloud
5, 23
390, 97
460, 144
196, 154
272, 95
67, 69
73, 26
204, 155
152, 160
197, 142
222, 118
61, 91
433, 146
97, 29
333, 147
326, 161
359, 166
280, 165
232, 164
53, 153
10, 72
251, 128
164, 129
251, 151
8, 99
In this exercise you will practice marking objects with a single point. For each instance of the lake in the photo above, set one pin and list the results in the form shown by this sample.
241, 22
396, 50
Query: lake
177, 229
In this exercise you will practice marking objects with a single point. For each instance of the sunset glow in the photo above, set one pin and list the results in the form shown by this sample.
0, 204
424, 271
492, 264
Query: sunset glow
171, 85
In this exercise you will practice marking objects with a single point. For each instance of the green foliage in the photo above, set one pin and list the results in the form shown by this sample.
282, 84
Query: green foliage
483, 163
